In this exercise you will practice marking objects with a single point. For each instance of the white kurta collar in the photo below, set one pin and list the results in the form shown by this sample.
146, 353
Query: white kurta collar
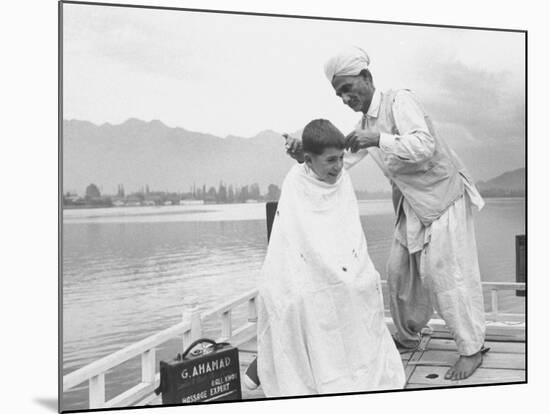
374, 107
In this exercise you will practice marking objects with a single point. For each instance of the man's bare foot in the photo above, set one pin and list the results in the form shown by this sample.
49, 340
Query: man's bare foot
464, 367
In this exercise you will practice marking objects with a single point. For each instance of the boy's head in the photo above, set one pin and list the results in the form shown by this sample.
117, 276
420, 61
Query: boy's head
323, 146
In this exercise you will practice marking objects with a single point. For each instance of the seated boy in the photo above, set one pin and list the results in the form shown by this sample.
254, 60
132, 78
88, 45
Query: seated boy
321, 325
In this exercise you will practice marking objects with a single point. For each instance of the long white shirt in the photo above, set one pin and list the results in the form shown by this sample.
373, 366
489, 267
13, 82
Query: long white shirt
414, 144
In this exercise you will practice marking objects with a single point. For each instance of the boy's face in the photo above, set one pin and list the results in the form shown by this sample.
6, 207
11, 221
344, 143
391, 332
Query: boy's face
327, 165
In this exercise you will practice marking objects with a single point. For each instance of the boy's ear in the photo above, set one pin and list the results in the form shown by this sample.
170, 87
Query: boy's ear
307, 157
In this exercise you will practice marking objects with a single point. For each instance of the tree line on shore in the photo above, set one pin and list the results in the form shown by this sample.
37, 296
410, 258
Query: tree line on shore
224, 194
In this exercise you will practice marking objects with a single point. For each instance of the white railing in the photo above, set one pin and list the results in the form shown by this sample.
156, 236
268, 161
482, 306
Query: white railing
495, 288
190, 328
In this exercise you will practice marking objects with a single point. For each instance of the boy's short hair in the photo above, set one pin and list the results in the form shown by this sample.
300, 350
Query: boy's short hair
321, 134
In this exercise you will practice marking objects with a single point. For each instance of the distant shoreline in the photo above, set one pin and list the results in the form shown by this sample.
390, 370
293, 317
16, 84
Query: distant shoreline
484, 196
159, 207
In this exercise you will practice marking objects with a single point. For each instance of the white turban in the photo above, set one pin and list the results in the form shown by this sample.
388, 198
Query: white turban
349, 62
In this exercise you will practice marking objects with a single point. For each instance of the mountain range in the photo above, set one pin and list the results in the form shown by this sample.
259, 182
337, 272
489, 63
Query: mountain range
509, 183
137, 153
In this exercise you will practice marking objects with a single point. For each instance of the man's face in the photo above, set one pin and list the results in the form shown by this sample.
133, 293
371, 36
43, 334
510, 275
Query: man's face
327, 165
355, 91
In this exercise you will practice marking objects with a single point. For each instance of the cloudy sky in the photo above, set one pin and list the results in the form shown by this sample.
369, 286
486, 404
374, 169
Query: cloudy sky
238, 75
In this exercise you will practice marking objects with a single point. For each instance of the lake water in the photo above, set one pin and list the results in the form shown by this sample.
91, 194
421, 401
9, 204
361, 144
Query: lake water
126, 271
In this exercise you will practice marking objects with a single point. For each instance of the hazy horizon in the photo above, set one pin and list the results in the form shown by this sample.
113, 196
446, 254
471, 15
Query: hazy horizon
239, 75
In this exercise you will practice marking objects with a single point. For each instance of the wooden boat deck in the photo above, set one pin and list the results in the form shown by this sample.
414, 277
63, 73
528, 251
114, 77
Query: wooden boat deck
425, 367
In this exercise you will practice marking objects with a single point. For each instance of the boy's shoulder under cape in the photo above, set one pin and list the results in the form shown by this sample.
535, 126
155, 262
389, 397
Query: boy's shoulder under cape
303, 188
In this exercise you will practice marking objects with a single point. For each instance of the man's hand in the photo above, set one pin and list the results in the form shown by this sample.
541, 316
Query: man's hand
294, 148
362, 138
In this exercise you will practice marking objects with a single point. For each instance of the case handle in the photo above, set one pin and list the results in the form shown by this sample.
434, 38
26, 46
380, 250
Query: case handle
199, 341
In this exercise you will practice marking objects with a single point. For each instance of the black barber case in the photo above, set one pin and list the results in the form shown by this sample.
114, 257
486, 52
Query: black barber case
208, 374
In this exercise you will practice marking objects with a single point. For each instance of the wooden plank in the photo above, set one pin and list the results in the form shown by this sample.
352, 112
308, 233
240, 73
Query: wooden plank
245, 358
96, 391
406, 357
242, 335
252, 394
505, 333
502, 331
497, 334
134, 395
504, 360
490, 285
410, 386
517, 318
231, 304
503, 286
490, 360
250, 346
150, 400
506, 347
434, 376
148, 366
494, 304
252, 310
443, 344
416, 355
226, 327
192, 313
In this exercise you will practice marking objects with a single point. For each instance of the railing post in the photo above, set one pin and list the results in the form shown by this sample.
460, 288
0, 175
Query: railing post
148, 366
521, 259
252, 313
191, 313
494, 303
227, 329
96, 391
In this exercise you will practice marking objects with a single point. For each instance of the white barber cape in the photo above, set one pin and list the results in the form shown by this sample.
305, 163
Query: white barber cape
321, 322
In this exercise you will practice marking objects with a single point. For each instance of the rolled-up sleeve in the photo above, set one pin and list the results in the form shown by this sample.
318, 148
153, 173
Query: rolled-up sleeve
413, 143
352, 158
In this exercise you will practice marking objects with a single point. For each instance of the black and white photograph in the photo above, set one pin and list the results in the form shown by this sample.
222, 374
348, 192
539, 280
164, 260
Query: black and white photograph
290, 206
262, 206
